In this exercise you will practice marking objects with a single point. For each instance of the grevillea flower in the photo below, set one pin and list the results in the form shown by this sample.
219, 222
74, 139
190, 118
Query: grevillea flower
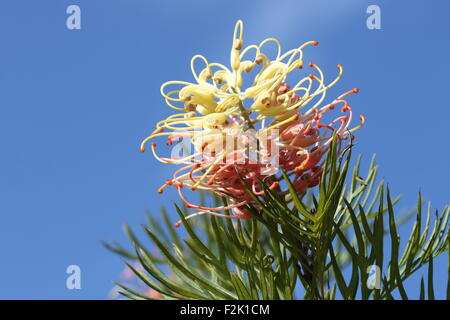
241, 135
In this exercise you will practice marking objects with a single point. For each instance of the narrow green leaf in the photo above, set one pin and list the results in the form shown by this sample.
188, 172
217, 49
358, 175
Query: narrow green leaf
448, 267
422, 289
340, 281
430, 280
191, 274
240, 287
394, 267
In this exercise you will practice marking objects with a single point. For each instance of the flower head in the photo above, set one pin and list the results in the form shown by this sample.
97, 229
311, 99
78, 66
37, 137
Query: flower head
240, 134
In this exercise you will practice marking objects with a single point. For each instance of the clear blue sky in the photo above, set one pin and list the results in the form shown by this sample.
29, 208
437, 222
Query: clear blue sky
75, 104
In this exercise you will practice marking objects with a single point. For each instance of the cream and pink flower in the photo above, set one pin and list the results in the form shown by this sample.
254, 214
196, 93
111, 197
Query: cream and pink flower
243, 135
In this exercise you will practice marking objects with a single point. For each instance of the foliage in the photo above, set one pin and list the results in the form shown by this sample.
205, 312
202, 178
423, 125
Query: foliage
322, 245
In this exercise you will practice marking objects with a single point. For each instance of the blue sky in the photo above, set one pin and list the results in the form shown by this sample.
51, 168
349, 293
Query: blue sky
75, 104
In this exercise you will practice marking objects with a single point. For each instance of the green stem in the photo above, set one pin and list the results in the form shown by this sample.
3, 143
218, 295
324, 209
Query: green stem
244, 113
